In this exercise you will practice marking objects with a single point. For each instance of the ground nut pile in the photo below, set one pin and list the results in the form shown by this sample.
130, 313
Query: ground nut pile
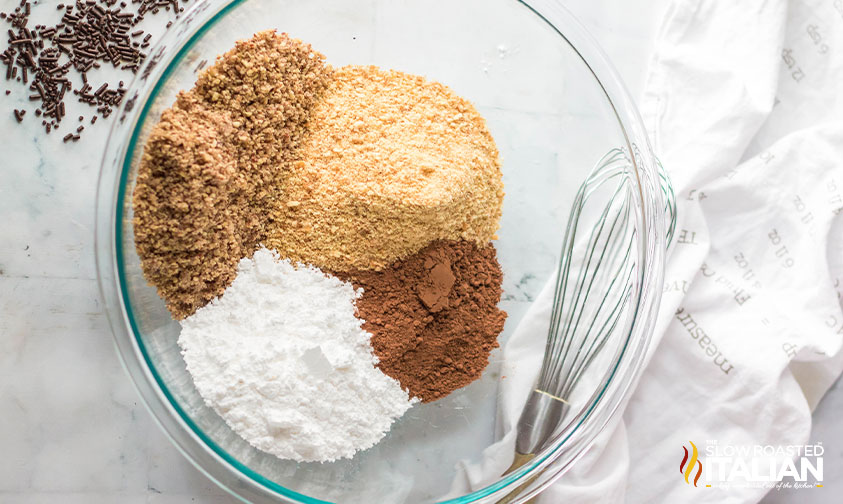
212, 166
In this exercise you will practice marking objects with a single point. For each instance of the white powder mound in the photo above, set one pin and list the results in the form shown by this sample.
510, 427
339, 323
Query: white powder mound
283, 359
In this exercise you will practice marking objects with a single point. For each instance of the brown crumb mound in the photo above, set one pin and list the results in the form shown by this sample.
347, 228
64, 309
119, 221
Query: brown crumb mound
211, 164
434, 316
392, 162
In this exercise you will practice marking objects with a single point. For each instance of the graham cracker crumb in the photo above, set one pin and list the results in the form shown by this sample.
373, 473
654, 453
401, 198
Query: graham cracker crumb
391, 163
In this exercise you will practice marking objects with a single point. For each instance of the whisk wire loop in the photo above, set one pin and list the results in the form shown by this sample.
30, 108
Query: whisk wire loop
592, 293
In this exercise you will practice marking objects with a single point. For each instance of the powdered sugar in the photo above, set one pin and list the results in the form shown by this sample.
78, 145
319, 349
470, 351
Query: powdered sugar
283, 359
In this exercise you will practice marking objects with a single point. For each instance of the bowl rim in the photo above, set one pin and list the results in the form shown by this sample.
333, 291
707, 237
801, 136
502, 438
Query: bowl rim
168, 413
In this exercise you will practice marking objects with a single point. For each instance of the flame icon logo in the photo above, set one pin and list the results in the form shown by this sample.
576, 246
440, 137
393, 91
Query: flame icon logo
687, 466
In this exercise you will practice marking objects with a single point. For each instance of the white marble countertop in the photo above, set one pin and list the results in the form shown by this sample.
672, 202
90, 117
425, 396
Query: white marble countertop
72, 428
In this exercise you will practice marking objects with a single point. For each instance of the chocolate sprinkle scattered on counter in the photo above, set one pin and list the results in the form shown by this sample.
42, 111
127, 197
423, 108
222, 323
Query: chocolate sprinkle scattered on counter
89, 34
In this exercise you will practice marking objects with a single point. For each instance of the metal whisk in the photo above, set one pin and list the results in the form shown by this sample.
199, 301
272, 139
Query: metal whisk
593, 287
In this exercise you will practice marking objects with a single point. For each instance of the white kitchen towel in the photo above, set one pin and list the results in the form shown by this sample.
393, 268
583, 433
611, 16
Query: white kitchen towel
744, 103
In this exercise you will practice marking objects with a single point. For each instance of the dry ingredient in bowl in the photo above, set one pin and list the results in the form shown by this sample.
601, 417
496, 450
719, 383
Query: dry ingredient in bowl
212, 165
342, 169
389, 180
391, 163
284, 361
434, 316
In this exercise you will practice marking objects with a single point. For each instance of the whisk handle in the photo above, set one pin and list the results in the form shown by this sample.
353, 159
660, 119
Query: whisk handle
540, 418
520, 459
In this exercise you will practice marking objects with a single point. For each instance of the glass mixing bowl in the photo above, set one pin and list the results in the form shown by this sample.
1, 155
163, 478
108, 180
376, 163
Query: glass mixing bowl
556, 109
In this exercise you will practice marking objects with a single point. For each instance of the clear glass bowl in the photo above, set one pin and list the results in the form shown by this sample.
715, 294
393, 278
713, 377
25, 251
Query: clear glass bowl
555, 107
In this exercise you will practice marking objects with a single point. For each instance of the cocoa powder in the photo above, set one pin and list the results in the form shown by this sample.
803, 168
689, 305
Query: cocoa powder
433, 316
